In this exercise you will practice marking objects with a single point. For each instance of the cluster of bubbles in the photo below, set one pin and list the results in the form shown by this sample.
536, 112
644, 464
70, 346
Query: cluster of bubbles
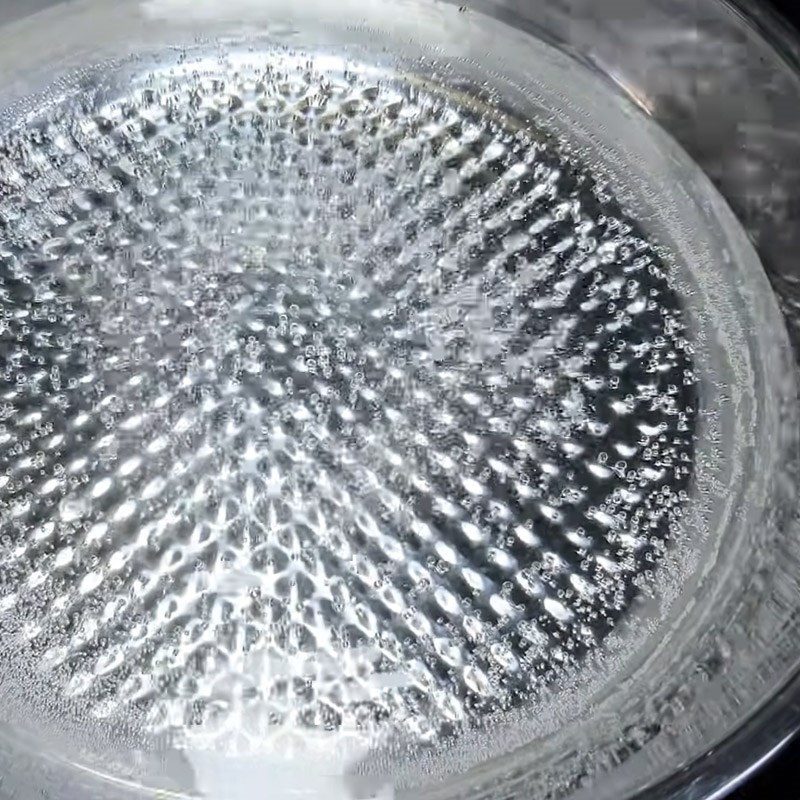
327, 400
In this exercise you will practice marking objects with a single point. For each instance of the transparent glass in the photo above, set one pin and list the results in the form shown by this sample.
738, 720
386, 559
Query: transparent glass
703, 681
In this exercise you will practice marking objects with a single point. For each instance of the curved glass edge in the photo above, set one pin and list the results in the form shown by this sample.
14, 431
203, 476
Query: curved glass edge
725, 768
728, 766
772, 25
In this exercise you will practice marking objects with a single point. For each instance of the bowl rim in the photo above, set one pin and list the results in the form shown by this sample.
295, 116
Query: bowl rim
724, 767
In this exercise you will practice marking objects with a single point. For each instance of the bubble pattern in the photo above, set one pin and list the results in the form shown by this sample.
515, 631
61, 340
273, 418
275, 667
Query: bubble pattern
327, 399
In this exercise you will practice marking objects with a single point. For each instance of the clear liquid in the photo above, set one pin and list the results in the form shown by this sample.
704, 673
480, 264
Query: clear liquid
327, 401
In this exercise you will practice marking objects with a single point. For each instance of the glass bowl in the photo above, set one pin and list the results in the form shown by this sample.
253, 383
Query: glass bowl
364, 229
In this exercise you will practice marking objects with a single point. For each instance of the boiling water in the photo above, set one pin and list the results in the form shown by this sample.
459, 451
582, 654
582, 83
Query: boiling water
329, 400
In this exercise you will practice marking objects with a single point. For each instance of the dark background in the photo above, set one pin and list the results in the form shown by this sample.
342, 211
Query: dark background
781, 779
778, 781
